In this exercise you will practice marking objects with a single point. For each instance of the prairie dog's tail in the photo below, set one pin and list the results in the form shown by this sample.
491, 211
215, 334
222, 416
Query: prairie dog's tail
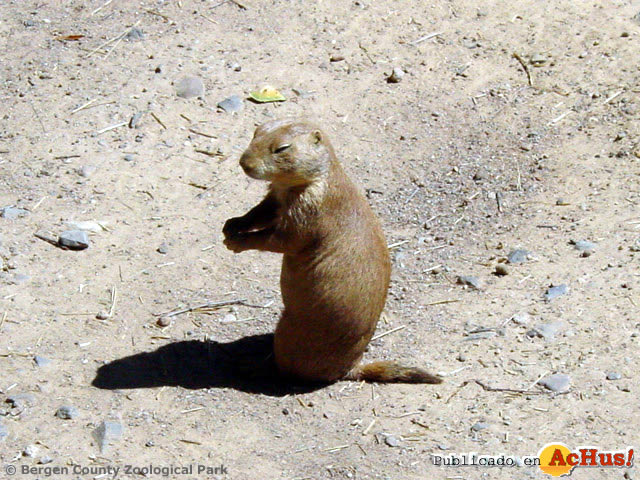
391, 372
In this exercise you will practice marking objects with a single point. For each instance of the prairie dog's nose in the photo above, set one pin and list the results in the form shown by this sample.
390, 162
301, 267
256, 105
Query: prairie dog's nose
245, 162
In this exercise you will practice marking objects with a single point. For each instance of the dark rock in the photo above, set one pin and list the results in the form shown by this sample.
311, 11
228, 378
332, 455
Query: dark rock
74, 239
501, 270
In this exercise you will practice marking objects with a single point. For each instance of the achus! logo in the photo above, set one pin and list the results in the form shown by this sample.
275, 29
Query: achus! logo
558, 460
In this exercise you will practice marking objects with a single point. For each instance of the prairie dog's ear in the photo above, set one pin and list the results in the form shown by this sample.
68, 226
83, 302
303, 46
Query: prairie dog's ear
316, 137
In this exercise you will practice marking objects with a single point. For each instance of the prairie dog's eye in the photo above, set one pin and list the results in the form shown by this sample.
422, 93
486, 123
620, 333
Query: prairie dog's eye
282, 148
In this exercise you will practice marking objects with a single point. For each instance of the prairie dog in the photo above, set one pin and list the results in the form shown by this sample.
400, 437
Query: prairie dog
335, 269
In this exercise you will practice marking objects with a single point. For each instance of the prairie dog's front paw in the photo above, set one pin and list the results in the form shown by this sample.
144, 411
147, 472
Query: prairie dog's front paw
233, 227
234, 243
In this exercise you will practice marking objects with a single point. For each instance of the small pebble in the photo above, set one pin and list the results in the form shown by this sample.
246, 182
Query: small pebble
86, 226
12, 213
555, 292
469, 281
74, 239
614, 376
30, 451
86, 170
190, 87
229, 318
501, 270
129, 158
396, 75
461, 357
107, 433
636, 246
392, 440
558, 382
163, 248
586, 253
45, 459
133, 121
233, 104
163, 321
149, 443
67, 412
583, 245
518, 256
521, 319
102, 315
479, 426
135, 34
21, 400
561, 202
41, 361
548, 331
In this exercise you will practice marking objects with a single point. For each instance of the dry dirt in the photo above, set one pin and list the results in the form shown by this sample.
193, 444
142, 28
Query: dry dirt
464, 160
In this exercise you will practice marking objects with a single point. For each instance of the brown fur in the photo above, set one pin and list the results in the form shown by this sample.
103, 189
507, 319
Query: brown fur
335, 269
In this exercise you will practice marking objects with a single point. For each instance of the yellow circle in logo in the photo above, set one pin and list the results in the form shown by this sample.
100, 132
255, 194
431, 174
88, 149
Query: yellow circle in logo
553, 460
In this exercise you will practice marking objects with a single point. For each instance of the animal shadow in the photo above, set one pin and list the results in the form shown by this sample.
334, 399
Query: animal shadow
245, 364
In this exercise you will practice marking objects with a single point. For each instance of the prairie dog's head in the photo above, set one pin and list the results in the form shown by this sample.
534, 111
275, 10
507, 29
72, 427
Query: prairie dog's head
288, 152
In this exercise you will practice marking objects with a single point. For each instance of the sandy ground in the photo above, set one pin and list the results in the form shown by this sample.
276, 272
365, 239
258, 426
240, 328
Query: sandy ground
465, 159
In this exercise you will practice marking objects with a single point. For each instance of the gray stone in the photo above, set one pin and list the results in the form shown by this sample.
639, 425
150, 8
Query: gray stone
469, 281
44, 460
4, 433
392, 440
20, 278
584, 245
521, 319
396, 75
107, 433
518, 256
558, 382
41, 361
636, 246
74, 239
548, 331
67, 412
30, 451
12, 213
163, 248
232, 104
87, 226
135, 34
614, 376
129, 158
86, 170
476, 427
21, 400
555, 292
481, 335
190, 87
